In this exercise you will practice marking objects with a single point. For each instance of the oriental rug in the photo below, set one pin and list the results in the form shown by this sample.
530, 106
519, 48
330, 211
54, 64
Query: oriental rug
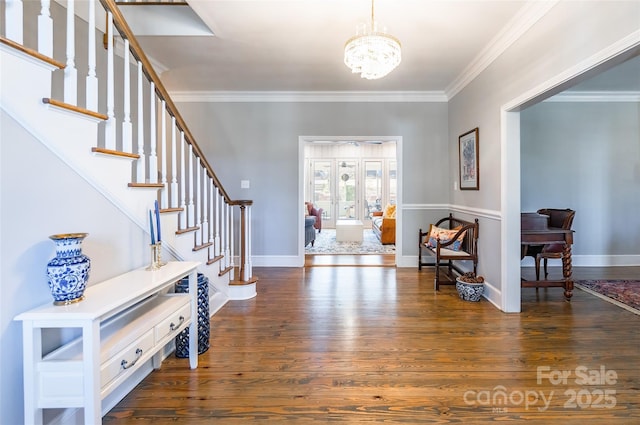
623, 293
326, 243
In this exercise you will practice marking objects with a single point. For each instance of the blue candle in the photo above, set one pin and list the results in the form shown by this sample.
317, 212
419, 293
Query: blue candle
153, 238
158, 221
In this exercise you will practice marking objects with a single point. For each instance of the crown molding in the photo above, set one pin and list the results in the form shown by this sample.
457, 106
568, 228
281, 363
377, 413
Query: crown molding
526, 17
308, 96
596, 96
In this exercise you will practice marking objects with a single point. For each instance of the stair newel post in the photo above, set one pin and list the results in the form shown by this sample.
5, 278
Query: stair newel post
110, 124
174, 165
232, 248
164, 197
205, 206
127, 128
91, 82
190, 211
140, 163
45, 28
244, 243
183, 164
249, 264
13, 13
199, 170
70, 71
153, 159
216, 230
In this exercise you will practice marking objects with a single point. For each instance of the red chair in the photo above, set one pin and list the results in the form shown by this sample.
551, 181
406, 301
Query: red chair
317, 213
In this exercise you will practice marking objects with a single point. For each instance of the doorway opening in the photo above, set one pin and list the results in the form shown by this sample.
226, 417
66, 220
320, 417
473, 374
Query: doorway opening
350, 180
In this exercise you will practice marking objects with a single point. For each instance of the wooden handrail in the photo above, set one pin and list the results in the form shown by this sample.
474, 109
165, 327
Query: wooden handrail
32, 52
121, 24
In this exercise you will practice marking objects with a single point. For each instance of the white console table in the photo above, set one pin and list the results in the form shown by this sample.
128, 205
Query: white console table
125, 321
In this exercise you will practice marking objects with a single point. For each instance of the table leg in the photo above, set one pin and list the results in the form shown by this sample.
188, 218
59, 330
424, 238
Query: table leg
566, 272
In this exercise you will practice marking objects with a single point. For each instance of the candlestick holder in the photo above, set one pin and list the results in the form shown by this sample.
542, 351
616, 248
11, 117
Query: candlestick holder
155, 256
159, 254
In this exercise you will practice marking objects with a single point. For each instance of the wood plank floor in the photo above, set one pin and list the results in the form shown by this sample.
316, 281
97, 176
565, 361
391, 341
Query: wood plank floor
377, 344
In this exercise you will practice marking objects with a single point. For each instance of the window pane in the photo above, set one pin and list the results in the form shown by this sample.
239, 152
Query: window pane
322, 187
372, 188
346, 189
393, 183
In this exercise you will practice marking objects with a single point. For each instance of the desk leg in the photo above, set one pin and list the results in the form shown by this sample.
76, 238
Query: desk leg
566, 272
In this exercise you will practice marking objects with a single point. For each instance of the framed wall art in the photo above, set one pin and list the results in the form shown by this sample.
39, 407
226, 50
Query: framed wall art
469, 160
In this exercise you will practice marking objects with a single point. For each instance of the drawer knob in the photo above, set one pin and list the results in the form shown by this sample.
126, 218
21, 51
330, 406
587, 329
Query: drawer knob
173, 326
125, 364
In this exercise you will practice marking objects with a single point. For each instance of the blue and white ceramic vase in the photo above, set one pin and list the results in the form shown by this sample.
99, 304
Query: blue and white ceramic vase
68, 272
469, 291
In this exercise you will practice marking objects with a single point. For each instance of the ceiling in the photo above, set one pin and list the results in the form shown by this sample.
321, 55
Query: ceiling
297, 45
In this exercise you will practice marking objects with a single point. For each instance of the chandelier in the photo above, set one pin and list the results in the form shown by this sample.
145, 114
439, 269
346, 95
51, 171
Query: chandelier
372, 52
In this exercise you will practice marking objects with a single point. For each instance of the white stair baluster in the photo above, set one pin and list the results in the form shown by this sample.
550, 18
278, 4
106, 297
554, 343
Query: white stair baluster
198, 203
140, 163
190, 211
110, 125
183, 164
91, 82
232, 248
45, 28
205, 207
164, 197
223, 239
127, 128
153, 159
216, 230
174, 166
70, 71
211, 211
227, 235
13, 20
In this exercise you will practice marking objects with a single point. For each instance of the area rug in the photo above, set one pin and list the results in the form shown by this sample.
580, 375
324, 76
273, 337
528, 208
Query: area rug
326, 243
623, 293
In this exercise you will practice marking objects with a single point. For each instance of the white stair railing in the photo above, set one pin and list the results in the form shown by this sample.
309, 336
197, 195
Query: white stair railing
187, 182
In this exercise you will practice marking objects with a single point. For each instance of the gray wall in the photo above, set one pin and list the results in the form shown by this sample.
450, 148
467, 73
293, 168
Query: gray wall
259, 142
42, 196
544, 58
586, 156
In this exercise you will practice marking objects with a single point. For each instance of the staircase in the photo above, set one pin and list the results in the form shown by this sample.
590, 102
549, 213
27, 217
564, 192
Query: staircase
129, 139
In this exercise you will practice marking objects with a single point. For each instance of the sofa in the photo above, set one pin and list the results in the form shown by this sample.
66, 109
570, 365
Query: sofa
383, 224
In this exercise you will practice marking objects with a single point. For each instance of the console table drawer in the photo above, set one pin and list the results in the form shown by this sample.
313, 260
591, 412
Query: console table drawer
126, 359
174, 323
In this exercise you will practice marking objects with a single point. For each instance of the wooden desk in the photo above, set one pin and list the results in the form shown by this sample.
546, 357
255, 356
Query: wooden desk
534, 232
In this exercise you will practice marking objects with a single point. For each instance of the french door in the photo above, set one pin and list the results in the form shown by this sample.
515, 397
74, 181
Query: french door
351, 188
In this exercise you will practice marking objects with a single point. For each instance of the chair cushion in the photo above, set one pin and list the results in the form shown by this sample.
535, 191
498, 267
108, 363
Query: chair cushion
448, 252
445, 235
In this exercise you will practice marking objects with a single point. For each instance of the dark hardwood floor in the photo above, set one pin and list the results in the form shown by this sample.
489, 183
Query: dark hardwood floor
377, 344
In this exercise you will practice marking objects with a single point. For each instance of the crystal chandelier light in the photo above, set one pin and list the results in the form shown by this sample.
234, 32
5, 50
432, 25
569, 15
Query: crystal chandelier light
371, 52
